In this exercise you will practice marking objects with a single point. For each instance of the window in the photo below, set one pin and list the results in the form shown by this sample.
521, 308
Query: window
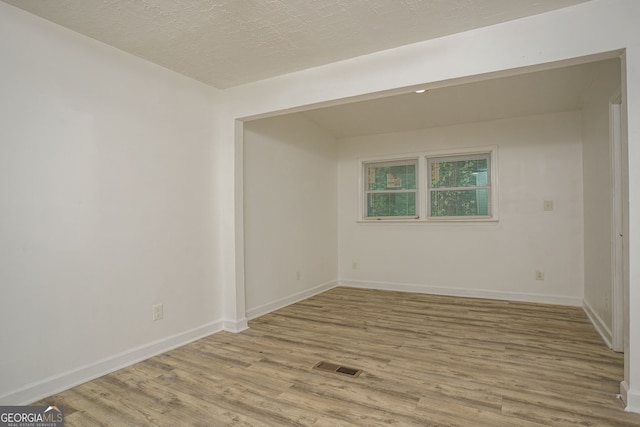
391, 189
457, 185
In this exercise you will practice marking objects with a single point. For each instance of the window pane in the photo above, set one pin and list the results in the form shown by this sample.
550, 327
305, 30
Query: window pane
460, 203
459, 173
398, 177
391, 204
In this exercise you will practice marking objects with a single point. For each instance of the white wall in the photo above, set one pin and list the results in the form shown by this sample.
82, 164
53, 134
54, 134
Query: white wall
539, 158
598, 29
595, 29
107, 207
605, 82
290, 205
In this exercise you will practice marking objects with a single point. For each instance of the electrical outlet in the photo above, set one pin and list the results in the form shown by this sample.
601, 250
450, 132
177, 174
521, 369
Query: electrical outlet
298, 275
547, 205
158, 312
539, 275
354, 265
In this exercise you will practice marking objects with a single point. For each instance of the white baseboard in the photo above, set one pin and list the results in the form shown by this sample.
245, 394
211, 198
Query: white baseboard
52, 385
631, 398
463, 292
291, 299
598, 323
235, 326
58, 383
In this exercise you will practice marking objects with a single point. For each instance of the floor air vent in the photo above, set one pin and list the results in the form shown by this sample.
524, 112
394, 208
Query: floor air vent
332, 367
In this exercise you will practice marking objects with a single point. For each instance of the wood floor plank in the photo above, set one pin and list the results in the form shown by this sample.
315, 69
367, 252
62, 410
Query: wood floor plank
427, 360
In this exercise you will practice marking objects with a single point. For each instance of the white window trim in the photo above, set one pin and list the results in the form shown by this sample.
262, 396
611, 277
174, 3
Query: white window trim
422, 184
363, 184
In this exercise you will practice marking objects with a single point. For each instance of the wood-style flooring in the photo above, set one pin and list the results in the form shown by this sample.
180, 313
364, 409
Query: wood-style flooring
426, 360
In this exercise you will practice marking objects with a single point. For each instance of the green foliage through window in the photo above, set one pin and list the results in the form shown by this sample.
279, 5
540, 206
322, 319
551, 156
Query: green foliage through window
445, 187
391, 204
392, 177
459, 203
459, 186
391, 189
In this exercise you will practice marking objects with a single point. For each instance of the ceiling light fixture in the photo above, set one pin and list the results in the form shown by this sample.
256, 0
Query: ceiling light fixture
421, 91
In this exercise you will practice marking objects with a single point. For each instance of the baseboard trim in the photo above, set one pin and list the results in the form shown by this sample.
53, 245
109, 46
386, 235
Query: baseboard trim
235, 326
291, 299
598, 323
631, 398
55, 384
64, 381
462, 292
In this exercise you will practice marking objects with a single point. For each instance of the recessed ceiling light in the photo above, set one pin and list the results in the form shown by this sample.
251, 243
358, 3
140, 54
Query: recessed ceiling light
421, 91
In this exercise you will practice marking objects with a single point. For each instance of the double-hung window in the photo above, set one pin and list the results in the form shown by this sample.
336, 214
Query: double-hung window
430, 187
391, 189
459, 186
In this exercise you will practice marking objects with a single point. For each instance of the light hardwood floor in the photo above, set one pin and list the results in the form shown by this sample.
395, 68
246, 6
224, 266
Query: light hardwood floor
427, 361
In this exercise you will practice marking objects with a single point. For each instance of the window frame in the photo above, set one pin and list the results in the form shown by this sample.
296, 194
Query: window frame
413, 160
453, 158
423, 177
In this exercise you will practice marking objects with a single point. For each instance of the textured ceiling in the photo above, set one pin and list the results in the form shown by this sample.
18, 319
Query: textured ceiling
226, 43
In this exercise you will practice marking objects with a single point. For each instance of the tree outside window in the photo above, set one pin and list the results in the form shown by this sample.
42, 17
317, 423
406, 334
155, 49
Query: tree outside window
459, 186
391, 189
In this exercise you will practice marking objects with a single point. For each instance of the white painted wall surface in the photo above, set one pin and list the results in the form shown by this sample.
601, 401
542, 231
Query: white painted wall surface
539, 158
597, 29
597, 181
107, 207
290, 211
630, 388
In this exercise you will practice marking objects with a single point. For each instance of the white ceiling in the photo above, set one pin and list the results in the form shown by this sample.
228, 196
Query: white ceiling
548, 91
226, 43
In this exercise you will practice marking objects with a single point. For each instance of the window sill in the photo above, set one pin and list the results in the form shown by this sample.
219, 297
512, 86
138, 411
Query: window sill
430, 221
